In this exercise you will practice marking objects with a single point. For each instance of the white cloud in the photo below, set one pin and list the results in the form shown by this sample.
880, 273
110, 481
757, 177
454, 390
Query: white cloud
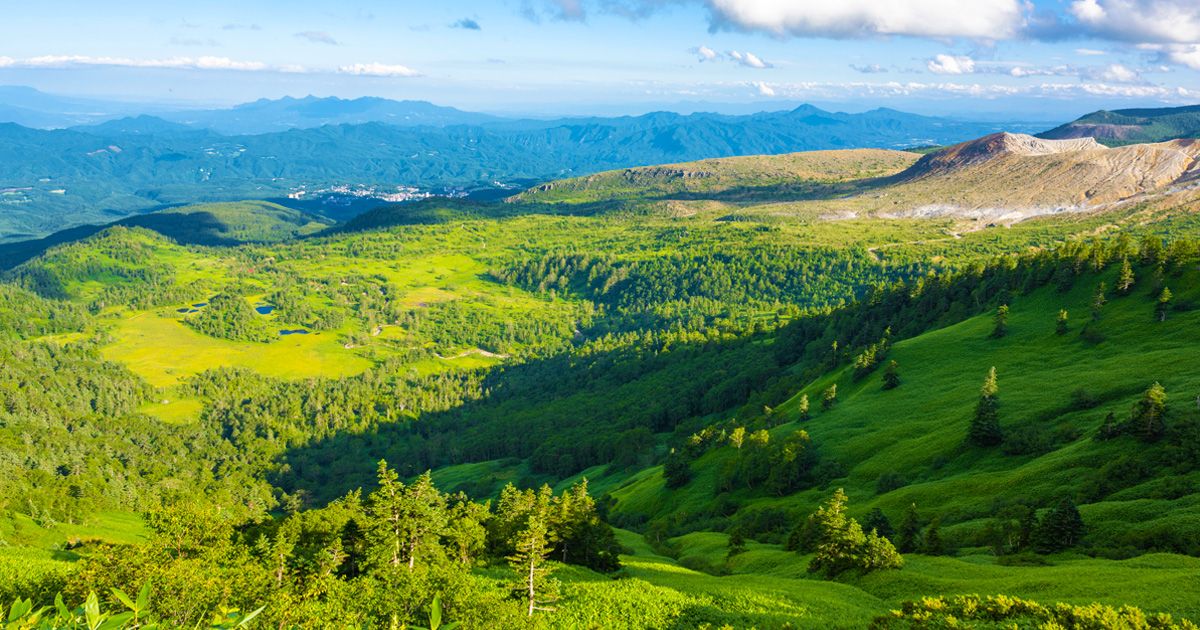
1089, 52
951, 64
1181, 54
185, 63
203, 63
748, 59
705, 53
378, 70
1153, 21
1118, 73
986, 91
982, 19
764, 89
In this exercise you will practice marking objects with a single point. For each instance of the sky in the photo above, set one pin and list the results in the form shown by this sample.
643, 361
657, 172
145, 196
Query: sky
1015, 59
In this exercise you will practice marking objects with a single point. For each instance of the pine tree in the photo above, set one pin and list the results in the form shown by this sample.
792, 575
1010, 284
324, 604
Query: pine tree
737, 543
1126, 278
842, 545
909, 532
1060, 324
985, 426
878, 522
465, 533
1060, 528
1148, 416
891, 375
829, 397
532, 544
1001, 322
1099, 299
1109, 429
676, 469
933, 540
1164, 301
802, 407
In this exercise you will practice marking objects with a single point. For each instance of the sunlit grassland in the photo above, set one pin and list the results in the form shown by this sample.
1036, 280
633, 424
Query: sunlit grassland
163, 351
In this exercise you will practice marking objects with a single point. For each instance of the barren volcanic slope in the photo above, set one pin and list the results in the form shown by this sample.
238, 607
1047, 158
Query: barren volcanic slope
1018, 171
1002, 177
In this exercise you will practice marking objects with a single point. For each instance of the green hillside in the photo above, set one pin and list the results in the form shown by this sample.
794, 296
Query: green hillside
1130, 126
201, 224
206, 411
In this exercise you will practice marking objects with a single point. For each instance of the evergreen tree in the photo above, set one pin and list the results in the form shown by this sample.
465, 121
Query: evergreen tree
842, 545
829, 397
1163, 303
532, 543
909, 533
465, 534
581, 536
878, 522
1148, 417
1126, 278
737, 543
676, 470
891, 375
934, 546
985, 426
1060, 323
1099, 299
802, 407
1001, 322
1060, 528
1109, 429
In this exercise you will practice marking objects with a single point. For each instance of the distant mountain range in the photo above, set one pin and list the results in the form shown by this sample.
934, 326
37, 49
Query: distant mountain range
1131, 126
51, 179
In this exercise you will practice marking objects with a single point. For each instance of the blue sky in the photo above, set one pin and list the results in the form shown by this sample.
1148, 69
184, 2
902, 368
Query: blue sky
1006, 58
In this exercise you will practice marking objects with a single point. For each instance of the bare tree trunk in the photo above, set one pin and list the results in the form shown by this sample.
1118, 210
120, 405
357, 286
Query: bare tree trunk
531, 594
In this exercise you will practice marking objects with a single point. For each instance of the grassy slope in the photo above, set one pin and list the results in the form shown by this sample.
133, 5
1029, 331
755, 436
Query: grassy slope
917, 430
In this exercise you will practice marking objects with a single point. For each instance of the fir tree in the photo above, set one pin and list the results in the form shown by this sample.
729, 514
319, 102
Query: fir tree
891, 375
829, 397
934, 546
1148, 417
985, 426
802, 407
878, 522
737, 543
1001, 322
1060, 324
676, 469
842, 545
532, 544
1126, 278
909, 533
1160, 307
1099, 299
1060, 528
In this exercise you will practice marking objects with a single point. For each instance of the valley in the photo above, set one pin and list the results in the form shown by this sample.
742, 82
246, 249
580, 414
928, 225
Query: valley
710, 350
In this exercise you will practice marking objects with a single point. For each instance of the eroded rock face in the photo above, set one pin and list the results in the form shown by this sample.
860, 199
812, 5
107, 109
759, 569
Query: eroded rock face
1018, 171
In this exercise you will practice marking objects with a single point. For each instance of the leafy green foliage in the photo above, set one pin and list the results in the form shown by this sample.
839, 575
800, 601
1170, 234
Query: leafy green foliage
231, 317
973, 611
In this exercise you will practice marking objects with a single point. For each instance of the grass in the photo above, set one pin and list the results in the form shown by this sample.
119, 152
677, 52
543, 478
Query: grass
139, 341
